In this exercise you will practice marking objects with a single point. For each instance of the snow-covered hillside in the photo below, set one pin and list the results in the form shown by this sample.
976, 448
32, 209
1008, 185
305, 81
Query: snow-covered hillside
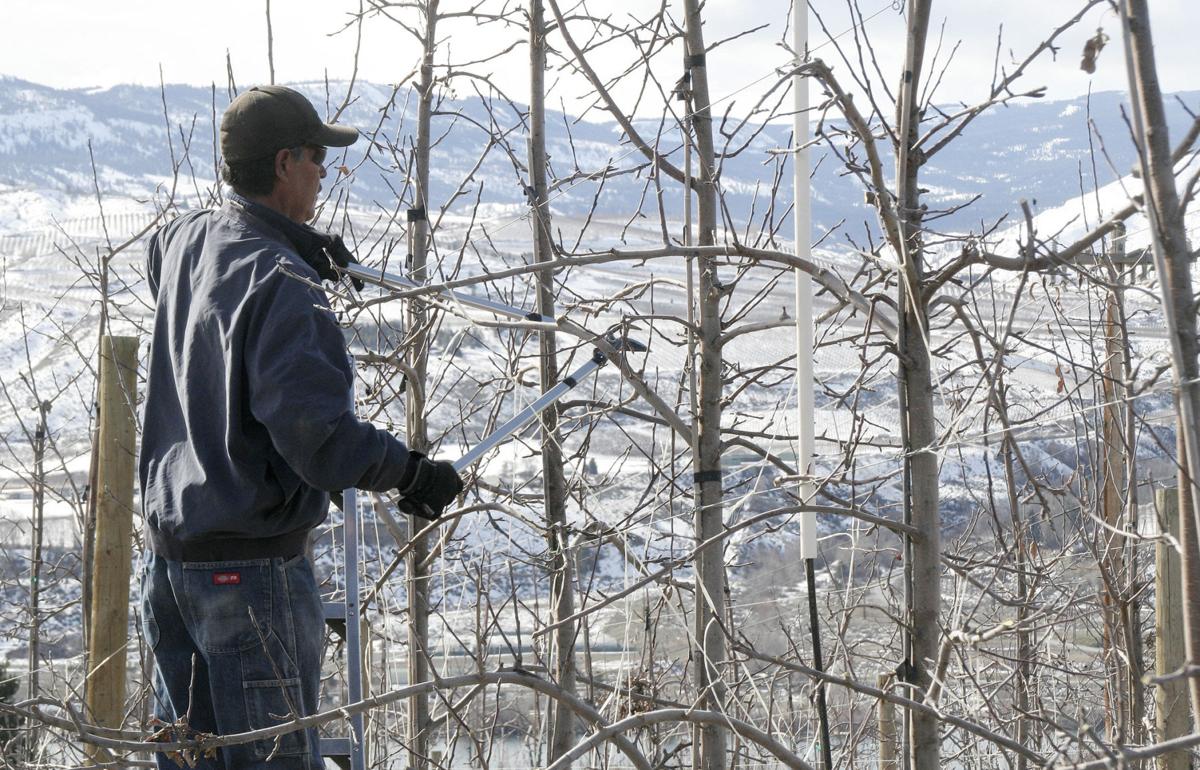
50, 139
54, 227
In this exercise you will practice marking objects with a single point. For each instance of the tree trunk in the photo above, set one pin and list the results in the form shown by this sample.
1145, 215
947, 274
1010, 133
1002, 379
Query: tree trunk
1173, 260
418, 436
710, 562
554, 486
1025, 646
916, 386
1120, 500
35, 550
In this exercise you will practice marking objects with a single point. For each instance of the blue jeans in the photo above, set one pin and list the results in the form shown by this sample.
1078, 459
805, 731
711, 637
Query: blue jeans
251, 632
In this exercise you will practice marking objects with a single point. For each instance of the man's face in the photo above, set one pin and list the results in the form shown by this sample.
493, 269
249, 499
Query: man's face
299, 181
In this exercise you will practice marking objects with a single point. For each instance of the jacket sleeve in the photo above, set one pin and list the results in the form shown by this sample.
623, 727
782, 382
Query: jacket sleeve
300, 383
154, 249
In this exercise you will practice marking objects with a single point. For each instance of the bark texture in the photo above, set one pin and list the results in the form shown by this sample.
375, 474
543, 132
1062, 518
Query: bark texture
710, 563
417, 566
1173, 259
916, 385
554, 485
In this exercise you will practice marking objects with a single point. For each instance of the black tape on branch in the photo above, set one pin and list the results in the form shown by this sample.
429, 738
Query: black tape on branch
701, 477
416, 215
683, 86
696, 60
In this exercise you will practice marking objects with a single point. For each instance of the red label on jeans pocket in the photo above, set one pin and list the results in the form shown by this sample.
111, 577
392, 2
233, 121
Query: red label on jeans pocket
227, 578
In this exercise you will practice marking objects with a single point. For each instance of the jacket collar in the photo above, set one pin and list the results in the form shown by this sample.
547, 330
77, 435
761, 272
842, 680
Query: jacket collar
307, 241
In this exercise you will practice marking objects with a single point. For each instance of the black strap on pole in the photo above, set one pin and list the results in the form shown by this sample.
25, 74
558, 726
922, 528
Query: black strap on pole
416, 214
814, 626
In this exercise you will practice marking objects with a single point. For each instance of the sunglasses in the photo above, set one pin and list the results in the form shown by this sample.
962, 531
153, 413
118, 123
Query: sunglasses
316, 153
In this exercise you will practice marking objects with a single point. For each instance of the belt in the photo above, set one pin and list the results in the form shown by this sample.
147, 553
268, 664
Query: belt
228, 548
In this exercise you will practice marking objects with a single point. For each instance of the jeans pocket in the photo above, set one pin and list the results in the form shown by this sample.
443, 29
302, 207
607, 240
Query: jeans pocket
270, 702
303, 612
231, 602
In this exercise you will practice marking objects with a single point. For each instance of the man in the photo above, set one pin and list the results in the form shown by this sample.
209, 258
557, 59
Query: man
248, 426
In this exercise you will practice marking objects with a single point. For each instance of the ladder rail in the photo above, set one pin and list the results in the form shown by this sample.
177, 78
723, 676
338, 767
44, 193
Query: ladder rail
354, 667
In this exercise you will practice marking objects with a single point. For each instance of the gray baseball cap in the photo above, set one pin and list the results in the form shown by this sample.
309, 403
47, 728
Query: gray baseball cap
266, 119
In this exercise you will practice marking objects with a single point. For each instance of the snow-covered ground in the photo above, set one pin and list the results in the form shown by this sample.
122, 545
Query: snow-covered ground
50, 315
51, 243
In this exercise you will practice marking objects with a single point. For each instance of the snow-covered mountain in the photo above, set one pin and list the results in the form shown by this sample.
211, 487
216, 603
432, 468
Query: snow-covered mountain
49, 139
50, 230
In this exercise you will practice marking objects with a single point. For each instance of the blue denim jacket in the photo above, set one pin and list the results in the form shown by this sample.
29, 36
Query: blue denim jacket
248, 420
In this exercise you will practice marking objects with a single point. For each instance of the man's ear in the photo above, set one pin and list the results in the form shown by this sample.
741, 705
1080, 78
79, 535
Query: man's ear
282, 159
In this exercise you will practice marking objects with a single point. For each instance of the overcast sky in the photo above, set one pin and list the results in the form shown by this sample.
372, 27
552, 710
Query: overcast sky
79, 43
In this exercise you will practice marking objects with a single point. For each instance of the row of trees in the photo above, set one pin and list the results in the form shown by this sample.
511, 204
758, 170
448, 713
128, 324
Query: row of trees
633, 600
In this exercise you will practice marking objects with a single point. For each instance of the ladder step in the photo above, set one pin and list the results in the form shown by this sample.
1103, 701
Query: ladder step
338, 750
335, 617
335, 747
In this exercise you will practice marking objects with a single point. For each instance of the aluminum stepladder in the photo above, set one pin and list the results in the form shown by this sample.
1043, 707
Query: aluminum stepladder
350, 752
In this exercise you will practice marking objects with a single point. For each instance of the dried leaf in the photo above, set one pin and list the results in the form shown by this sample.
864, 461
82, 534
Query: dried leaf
1062, 381
1092, 49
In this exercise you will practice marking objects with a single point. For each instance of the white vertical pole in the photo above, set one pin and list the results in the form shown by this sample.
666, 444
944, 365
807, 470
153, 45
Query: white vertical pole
804, 317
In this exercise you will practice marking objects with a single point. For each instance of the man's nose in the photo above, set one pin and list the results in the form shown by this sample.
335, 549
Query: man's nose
323, 172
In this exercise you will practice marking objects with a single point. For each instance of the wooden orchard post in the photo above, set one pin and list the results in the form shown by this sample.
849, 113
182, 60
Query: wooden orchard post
1170, 698
105, 684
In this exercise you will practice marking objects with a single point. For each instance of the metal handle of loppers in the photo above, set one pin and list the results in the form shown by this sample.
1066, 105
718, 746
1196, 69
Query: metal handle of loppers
400, 283
526, 415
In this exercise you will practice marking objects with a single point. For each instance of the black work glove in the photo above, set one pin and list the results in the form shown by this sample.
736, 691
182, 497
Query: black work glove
333, 252
428, 487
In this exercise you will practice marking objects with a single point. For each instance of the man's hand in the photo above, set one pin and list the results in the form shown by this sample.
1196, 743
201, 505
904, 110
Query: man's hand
333, 255
428, 487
